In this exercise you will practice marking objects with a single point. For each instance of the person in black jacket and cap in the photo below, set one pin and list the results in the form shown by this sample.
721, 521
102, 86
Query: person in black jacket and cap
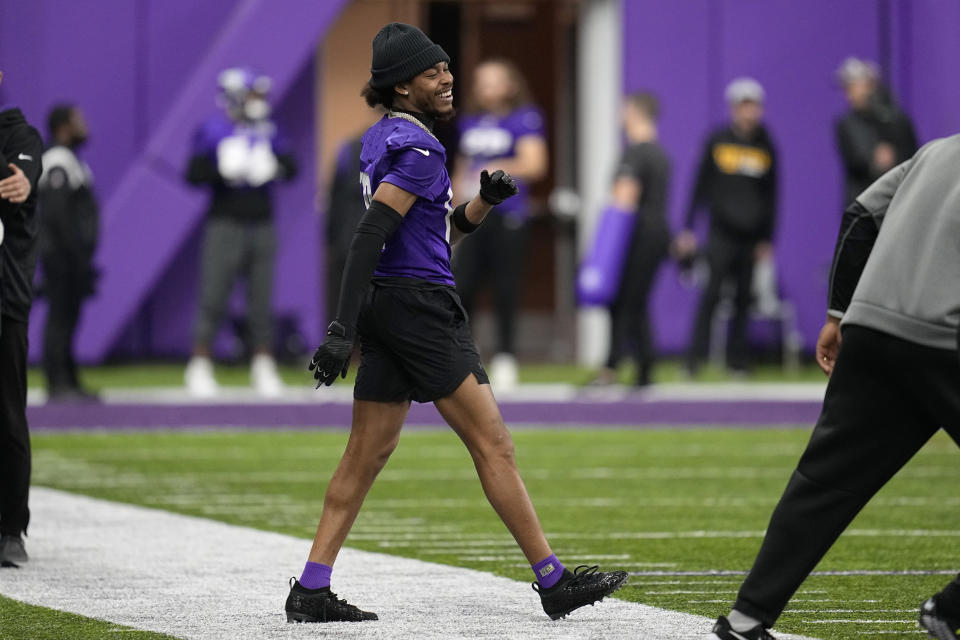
20, 166
69, 227
737, 182
875, 135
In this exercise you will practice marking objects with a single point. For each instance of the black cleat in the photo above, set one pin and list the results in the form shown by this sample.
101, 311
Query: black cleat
937, 624
12, 551
321, 605
723, 631
586, 585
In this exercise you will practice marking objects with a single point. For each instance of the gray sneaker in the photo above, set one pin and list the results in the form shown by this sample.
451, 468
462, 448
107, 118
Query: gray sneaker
12, 551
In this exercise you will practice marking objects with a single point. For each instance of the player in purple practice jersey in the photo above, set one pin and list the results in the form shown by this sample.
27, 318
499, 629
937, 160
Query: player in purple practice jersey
502, 129
397, 299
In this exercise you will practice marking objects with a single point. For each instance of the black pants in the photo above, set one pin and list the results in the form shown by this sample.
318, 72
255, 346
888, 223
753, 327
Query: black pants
496, 251
730, 258
62, 317
885, 399
630, 330
14, 434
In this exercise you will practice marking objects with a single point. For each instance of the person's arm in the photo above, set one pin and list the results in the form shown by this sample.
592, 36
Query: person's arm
701, 187
21, 171
60, 222
202, 169
770, 194
627, 187
494, 189
856, 146
686, 242
287, 166
859, 229
382, 218
202, 166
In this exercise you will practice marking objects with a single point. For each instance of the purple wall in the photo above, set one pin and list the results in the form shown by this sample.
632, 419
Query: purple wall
132, 65
687, 51
144, 73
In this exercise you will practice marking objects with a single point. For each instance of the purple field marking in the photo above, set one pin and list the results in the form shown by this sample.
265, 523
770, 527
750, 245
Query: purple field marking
338, 415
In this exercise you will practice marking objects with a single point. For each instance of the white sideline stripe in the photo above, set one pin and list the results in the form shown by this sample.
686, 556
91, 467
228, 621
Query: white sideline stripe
343, 394
197, 578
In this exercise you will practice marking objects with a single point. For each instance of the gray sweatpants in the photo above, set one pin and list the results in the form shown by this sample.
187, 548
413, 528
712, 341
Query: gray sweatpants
232, 249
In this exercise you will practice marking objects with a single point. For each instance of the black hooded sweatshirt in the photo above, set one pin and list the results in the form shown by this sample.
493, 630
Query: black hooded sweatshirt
737, 181
21, 145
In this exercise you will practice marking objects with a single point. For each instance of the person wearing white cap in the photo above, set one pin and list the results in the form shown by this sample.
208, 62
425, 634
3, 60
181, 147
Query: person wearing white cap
737, 183
875, 135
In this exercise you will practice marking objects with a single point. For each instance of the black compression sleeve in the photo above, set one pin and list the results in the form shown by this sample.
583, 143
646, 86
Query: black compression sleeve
858, 233
375, 228
459, 218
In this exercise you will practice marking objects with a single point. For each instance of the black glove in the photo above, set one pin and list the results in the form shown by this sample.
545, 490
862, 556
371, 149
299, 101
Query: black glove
496, 188
332, 358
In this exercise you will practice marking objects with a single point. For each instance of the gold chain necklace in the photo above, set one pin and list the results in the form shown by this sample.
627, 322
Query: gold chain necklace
410, 118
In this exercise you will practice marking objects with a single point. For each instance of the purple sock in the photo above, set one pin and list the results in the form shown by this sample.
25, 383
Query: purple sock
315, 576
548, 571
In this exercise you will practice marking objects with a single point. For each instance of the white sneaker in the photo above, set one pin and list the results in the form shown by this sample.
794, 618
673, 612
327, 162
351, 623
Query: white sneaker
199, 378
264, 377
503, 371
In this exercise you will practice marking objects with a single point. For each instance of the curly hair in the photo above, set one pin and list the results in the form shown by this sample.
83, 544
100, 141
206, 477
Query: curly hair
378, 97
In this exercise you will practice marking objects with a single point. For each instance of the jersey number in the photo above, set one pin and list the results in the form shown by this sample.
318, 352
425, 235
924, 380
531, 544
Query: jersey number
367, 189
449, 212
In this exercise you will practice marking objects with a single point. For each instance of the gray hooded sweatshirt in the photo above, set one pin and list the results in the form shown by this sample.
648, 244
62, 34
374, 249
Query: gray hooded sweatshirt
910, 286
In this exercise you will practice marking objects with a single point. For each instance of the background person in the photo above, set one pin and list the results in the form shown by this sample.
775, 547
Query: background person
874, 135
238, 155
21, 152
737, 183
69, 228
501, 128
640, 186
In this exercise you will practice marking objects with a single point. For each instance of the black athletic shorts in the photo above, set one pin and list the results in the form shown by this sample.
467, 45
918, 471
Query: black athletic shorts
415, 343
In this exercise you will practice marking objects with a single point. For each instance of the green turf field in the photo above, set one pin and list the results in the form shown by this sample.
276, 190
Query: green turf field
19, 620
659, 503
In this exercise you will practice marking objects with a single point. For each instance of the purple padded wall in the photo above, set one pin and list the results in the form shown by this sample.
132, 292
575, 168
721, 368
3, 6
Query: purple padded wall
145, 74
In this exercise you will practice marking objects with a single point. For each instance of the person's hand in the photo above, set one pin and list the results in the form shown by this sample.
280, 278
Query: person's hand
685, 244
332, 358
497, 187
15, 188
828, 345
884, 157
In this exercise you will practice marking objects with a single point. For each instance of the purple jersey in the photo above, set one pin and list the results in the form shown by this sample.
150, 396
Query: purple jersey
486, 137
400, 152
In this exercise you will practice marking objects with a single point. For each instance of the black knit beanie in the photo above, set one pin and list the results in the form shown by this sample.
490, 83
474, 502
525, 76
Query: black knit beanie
400, 52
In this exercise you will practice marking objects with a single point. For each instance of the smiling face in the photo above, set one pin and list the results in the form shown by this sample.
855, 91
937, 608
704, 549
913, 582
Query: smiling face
430, 92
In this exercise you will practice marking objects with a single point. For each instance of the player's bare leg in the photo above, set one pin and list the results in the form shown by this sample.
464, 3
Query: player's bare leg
472, 412
373, 437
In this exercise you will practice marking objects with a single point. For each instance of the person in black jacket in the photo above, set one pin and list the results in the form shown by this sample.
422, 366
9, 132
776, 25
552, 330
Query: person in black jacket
737, 182
875, 135
69, 227
20, 166
238, 155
